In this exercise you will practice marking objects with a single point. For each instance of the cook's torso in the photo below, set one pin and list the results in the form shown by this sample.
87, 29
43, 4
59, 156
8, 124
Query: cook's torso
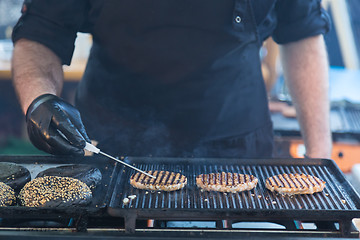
185, 69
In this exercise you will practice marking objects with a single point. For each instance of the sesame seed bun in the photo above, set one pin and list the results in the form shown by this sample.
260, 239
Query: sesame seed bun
53, 191
7, 195
88, 174
14, 175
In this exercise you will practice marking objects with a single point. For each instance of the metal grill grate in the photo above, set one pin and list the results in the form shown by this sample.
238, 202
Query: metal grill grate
344, 116
334, 197
337, 200
352, 115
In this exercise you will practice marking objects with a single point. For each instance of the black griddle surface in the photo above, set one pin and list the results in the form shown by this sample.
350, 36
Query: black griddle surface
338, 201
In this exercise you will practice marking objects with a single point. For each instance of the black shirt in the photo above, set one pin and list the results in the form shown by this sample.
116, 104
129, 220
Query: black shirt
170, 73
55, 23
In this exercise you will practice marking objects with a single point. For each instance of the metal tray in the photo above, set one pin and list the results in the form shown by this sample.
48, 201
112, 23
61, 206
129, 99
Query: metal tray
338, 202
35, 164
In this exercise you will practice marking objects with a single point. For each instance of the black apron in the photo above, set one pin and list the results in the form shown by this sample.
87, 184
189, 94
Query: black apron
176, 78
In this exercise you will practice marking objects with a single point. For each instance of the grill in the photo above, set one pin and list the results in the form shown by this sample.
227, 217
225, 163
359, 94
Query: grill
107, 214
338, 202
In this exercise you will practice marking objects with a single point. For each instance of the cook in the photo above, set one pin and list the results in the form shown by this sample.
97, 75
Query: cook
170, 78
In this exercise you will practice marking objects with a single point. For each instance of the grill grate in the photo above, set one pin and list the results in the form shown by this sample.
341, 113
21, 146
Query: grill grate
334, 196
344, 116
337, 199
352, 115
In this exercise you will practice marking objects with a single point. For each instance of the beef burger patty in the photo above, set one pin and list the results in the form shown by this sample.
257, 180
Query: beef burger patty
165, 181
291, 184
226, 182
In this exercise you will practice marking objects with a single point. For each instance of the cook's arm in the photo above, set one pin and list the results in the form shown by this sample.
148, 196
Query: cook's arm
53, 125
36, 70
306, 73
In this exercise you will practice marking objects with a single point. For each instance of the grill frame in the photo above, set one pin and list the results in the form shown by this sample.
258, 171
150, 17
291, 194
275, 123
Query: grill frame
340, 188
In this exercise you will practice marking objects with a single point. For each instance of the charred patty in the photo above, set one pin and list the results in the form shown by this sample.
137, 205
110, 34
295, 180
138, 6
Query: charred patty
226, 182
165, 181
291, 184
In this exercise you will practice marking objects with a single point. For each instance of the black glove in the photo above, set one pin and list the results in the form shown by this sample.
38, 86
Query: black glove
55, 126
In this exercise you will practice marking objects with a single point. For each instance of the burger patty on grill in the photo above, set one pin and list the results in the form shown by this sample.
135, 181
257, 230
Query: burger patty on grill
291, 184
226, 182
165, 181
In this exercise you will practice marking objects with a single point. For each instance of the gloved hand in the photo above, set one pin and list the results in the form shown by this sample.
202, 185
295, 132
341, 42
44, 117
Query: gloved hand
55, 126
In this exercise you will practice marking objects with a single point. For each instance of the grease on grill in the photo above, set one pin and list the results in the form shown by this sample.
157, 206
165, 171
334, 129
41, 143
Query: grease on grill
165, 181
291, 184
226, 182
